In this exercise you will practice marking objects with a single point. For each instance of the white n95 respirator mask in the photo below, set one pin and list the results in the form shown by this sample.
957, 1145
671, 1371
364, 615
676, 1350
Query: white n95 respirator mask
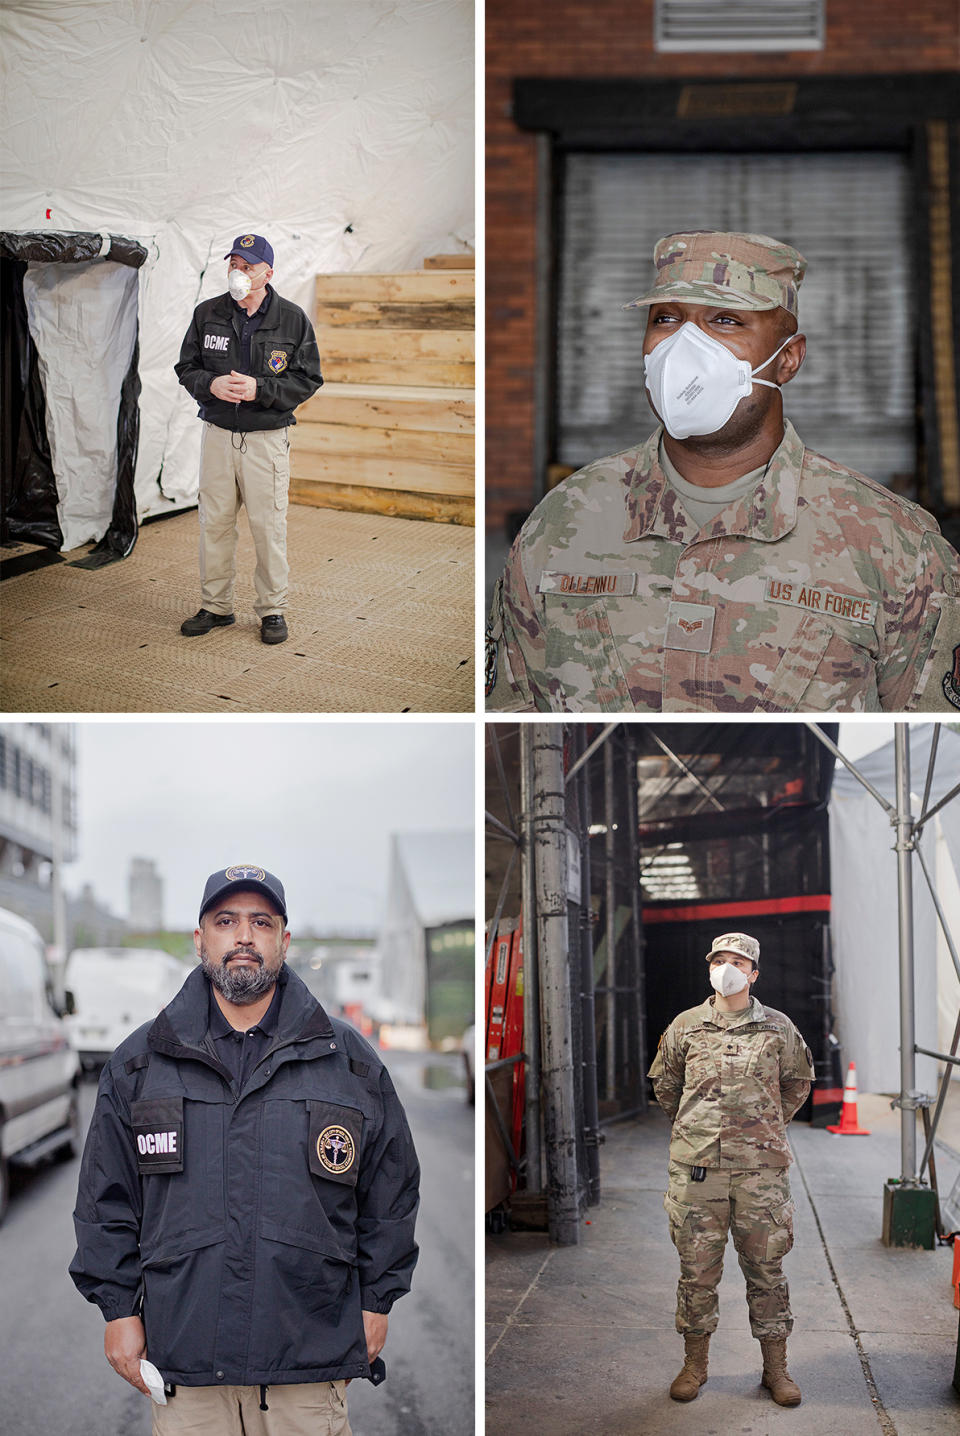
238, 283
695, 382
727, 979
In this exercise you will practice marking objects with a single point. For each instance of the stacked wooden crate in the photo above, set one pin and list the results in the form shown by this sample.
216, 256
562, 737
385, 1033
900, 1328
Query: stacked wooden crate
392, 429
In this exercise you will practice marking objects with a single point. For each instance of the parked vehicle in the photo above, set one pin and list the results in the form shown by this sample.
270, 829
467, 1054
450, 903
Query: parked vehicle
39, 1071
112, 991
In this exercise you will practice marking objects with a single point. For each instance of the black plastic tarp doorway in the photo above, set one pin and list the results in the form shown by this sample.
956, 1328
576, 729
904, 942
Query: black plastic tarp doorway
29, 492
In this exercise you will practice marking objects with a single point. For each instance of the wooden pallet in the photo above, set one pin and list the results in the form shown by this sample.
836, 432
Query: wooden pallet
392, 429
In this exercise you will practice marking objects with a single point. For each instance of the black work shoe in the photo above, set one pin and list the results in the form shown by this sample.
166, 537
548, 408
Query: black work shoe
203, 620
273, 628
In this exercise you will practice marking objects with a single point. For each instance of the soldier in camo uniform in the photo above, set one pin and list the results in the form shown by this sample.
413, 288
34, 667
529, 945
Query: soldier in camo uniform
722, 566
730, 1074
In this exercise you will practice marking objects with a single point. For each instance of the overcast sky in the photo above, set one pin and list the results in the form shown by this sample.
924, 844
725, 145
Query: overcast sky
314, 803
859, 737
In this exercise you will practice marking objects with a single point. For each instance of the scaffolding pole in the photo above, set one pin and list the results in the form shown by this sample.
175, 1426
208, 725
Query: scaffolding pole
908, 1062
559, 1107
531, 980
588, 1041
610, 1091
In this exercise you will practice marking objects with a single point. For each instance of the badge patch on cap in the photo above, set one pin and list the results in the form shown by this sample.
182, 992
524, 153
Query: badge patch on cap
247, 241
821, 600
277, 361
245, 873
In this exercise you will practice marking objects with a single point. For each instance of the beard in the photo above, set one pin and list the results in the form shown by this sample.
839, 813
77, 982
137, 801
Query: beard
241, 985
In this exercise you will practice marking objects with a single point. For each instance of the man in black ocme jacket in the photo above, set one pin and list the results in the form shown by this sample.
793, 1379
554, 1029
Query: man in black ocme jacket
249, 1187
249, 358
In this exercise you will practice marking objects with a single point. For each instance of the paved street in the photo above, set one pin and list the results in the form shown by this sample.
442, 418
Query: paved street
582, 1338
53, 1376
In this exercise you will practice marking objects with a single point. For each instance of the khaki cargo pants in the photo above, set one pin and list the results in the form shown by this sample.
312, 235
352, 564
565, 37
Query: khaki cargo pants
755, 1207
253, 470
314, 1409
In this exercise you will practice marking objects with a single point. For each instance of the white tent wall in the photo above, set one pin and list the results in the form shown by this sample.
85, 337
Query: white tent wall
865, 920
344, 132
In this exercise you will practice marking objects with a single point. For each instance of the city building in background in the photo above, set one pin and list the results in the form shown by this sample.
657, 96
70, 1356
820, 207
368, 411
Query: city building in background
145, 888
38, 817
38, 824
426, 944
609, 126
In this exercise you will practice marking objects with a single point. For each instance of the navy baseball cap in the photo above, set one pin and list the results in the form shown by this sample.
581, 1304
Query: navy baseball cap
246, 876
253, 248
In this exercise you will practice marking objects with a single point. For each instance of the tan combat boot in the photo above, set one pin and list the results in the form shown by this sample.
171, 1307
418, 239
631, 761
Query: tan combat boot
694, 1371
776, 1378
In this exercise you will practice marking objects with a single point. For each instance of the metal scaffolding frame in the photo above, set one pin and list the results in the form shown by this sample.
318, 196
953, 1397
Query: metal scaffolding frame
562, 1093
560, 987
908, 830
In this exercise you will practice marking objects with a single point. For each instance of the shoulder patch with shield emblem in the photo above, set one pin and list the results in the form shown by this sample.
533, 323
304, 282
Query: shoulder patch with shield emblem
335, 1133
277, 361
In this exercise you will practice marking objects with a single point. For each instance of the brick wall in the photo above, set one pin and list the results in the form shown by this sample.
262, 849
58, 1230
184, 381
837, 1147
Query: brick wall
588, 39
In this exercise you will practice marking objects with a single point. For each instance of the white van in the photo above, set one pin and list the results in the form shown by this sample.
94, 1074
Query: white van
39, 1071
111, 991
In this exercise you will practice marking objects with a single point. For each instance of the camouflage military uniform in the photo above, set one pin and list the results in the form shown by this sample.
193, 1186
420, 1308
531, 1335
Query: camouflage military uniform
819, 591
730, 1082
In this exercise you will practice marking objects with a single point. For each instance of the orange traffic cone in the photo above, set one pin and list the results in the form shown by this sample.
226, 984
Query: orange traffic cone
849, 1123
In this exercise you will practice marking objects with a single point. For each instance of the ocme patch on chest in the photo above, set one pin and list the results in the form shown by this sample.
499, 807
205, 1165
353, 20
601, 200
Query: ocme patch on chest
821, 600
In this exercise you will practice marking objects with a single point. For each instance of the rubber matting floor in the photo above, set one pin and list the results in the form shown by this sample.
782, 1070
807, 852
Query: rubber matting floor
380, 616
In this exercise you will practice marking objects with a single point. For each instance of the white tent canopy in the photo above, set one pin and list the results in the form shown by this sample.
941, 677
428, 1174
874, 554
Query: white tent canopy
343, 132
865, 921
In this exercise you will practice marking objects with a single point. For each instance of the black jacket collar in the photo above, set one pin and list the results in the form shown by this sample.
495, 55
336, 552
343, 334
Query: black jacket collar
183, 1022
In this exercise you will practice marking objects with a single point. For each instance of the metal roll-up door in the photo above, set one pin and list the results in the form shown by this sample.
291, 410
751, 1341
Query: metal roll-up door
847, 213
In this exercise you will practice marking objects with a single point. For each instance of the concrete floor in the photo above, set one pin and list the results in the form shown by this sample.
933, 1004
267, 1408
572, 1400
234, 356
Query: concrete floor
582, 1339
381, 618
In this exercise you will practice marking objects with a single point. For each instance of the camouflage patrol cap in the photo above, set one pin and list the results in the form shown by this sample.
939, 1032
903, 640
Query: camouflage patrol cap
738, 943
739, 271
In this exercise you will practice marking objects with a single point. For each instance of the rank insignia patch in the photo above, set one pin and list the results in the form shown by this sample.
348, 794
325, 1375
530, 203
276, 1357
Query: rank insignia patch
277, 361
951, 681
335, 1150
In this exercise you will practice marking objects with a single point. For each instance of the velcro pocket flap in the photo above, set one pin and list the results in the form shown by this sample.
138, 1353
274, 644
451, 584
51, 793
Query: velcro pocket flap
158, 1134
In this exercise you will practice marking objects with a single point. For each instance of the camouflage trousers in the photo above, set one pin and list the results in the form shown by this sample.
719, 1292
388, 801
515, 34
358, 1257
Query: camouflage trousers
755, 1207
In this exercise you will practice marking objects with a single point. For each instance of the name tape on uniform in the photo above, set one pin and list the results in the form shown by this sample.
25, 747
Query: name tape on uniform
821, 600
585, 585
220, 342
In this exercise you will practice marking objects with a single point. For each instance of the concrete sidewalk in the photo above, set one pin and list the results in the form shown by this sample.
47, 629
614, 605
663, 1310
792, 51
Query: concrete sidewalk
582, 1339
